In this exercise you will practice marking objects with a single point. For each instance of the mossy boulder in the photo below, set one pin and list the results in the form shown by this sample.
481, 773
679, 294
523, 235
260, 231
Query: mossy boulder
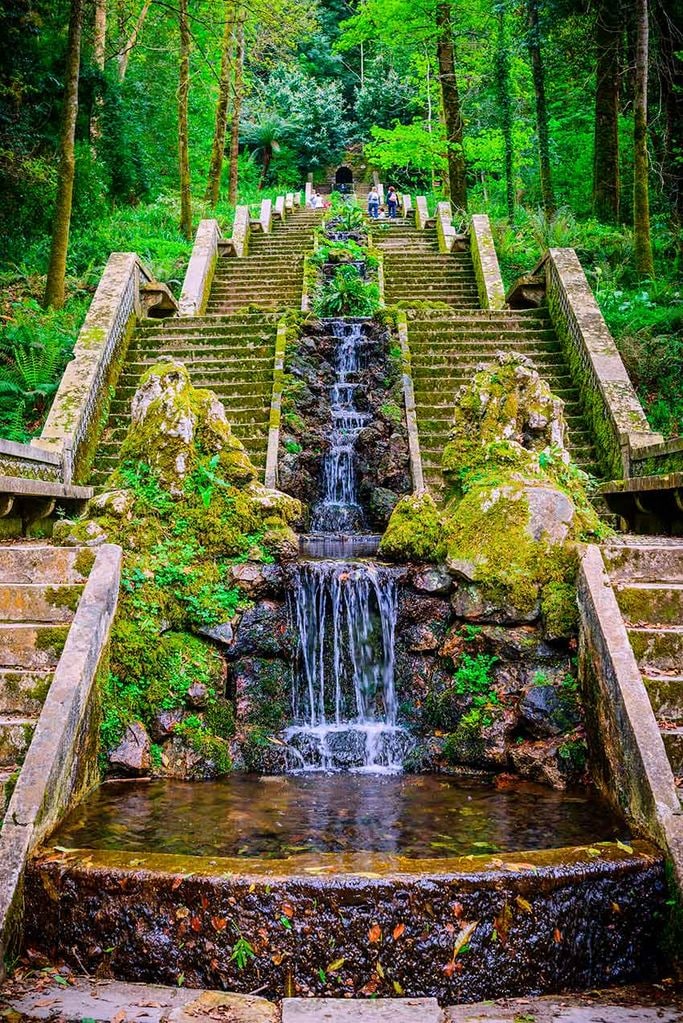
187, 509
415, 531
174, 424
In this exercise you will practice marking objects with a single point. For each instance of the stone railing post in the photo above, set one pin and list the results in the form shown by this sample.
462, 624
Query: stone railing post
82, 400
406, 205
421, 212
271, 475
289, 202
611, 406
200, 269
279, 212
445, 232
308, 192
486, 268
241, 229
266, 216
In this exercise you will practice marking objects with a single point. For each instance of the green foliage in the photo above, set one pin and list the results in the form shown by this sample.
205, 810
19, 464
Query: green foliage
347, 294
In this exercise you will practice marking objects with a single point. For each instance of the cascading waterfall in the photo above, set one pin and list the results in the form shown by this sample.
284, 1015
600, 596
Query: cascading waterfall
344, 612
338, 510
344, 702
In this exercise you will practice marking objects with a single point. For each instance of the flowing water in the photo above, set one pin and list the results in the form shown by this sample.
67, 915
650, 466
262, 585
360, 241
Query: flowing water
344, 612
338, 510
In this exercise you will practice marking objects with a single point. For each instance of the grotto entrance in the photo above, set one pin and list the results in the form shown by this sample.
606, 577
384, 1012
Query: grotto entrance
343, 179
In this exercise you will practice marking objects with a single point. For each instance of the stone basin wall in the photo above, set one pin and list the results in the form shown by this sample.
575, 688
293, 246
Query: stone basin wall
480, 928
513, 709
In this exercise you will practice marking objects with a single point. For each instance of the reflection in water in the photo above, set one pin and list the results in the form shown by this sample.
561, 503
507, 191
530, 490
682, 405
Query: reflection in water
417, 816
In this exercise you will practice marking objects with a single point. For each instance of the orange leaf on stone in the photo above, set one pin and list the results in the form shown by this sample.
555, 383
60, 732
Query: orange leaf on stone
398, 931
375, 933
219, 923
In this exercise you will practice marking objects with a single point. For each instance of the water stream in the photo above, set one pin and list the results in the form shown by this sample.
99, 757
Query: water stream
344, 611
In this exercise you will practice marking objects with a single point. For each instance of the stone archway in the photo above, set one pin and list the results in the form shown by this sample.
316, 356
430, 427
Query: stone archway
343, 175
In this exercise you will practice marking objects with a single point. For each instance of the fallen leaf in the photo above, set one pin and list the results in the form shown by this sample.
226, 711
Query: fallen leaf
464, 936
374, 934
398, 931
524, 904
288, 910
624, 846
219, 923
397, 988
557, 936
336, 965
379, 969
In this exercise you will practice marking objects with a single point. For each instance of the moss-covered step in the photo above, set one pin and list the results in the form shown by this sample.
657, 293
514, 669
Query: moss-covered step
38, 602
23, 692
651, 603
642, 561
31, 645
666, 695
660, 649
673, 744
38, 563
15, 738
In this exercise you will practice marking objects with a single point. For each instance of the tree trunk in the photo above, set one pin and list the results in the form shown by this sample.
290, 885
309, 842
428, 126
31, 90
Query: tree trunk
538, 75
213, 184
606, 145
641, 196
100, 33
183, 122
670, 69
267, 157
56, 274
124, 55
505, 104
445, 51
236, 107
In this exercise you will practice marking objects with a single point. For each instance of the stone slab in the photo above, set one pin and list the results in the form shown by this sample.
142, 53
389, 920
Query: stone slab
103, 1001
636, 1004
378, 1010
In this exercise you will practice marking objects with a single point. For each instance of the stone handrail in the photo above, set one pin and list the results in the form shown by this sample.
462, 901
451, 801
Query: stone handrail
631, 767
279, 212
241, 229
611, 406
266, 216
486, 268
81, 403
445, 232
421, 212
200, 269
308, 192
30, 461
271, 474
656, 458
409, 400
289, 203
61, 763
407, 205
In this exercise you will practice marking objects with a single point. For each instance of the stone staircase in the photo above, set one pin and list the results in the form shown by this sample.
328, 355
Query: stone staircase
647, 576
40, 587
416, 272
271, 276
232, 355
446, 347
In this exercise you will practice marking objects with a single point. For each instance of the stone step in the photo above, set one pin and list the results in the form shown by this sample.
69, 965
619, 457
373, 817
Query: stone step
484, 334
643, 561
23, 692
223, 306
666, 695
441, 320
31, 645
209, 365
651, 603
472, 357
38, 602
42, 564
16, 733
375, 1010
673, 744
661, 649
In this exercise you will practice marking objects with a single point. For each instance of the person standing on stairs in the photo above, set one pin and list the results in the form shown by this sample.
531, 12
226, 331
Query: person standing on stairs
373, 203
392, 202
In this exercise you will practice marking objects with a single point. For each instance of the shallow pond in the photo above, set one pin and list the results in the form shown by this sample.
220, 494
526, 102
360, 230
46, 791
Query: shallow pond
415, 816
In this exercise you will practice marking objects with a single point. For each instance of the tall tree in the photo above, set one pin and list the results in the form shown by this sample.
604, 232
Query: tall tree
503, 91
238, 95
641, 189
100, 33
213, 184
452, 112
183, 121
608, 30
538, 75
56, 274
132, 38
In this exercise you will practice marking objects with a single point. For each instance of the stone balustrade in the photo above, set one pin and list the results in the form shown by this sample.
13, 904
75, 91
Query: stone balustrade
200, 269
486, 268
421, 212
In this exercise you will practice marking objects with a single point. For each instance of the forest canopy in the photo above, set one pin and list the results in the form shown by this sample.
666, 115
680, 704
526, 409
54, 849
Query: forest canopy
123, 122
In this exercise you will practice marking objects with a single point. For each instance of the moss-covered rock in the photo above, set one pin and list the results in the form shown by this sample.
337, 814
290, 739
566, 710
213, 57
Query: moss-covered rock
186, 507
415, 531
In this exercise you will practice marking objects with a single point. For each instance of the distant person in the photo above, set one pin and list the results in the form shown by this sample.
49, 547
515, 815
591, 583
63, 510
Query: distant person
314, 201
373, 203
392, 201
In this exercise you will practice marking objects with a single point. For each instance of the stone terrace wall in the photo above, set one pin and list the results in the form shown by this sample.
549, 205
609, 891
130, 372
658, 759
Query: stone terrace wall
611, 406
